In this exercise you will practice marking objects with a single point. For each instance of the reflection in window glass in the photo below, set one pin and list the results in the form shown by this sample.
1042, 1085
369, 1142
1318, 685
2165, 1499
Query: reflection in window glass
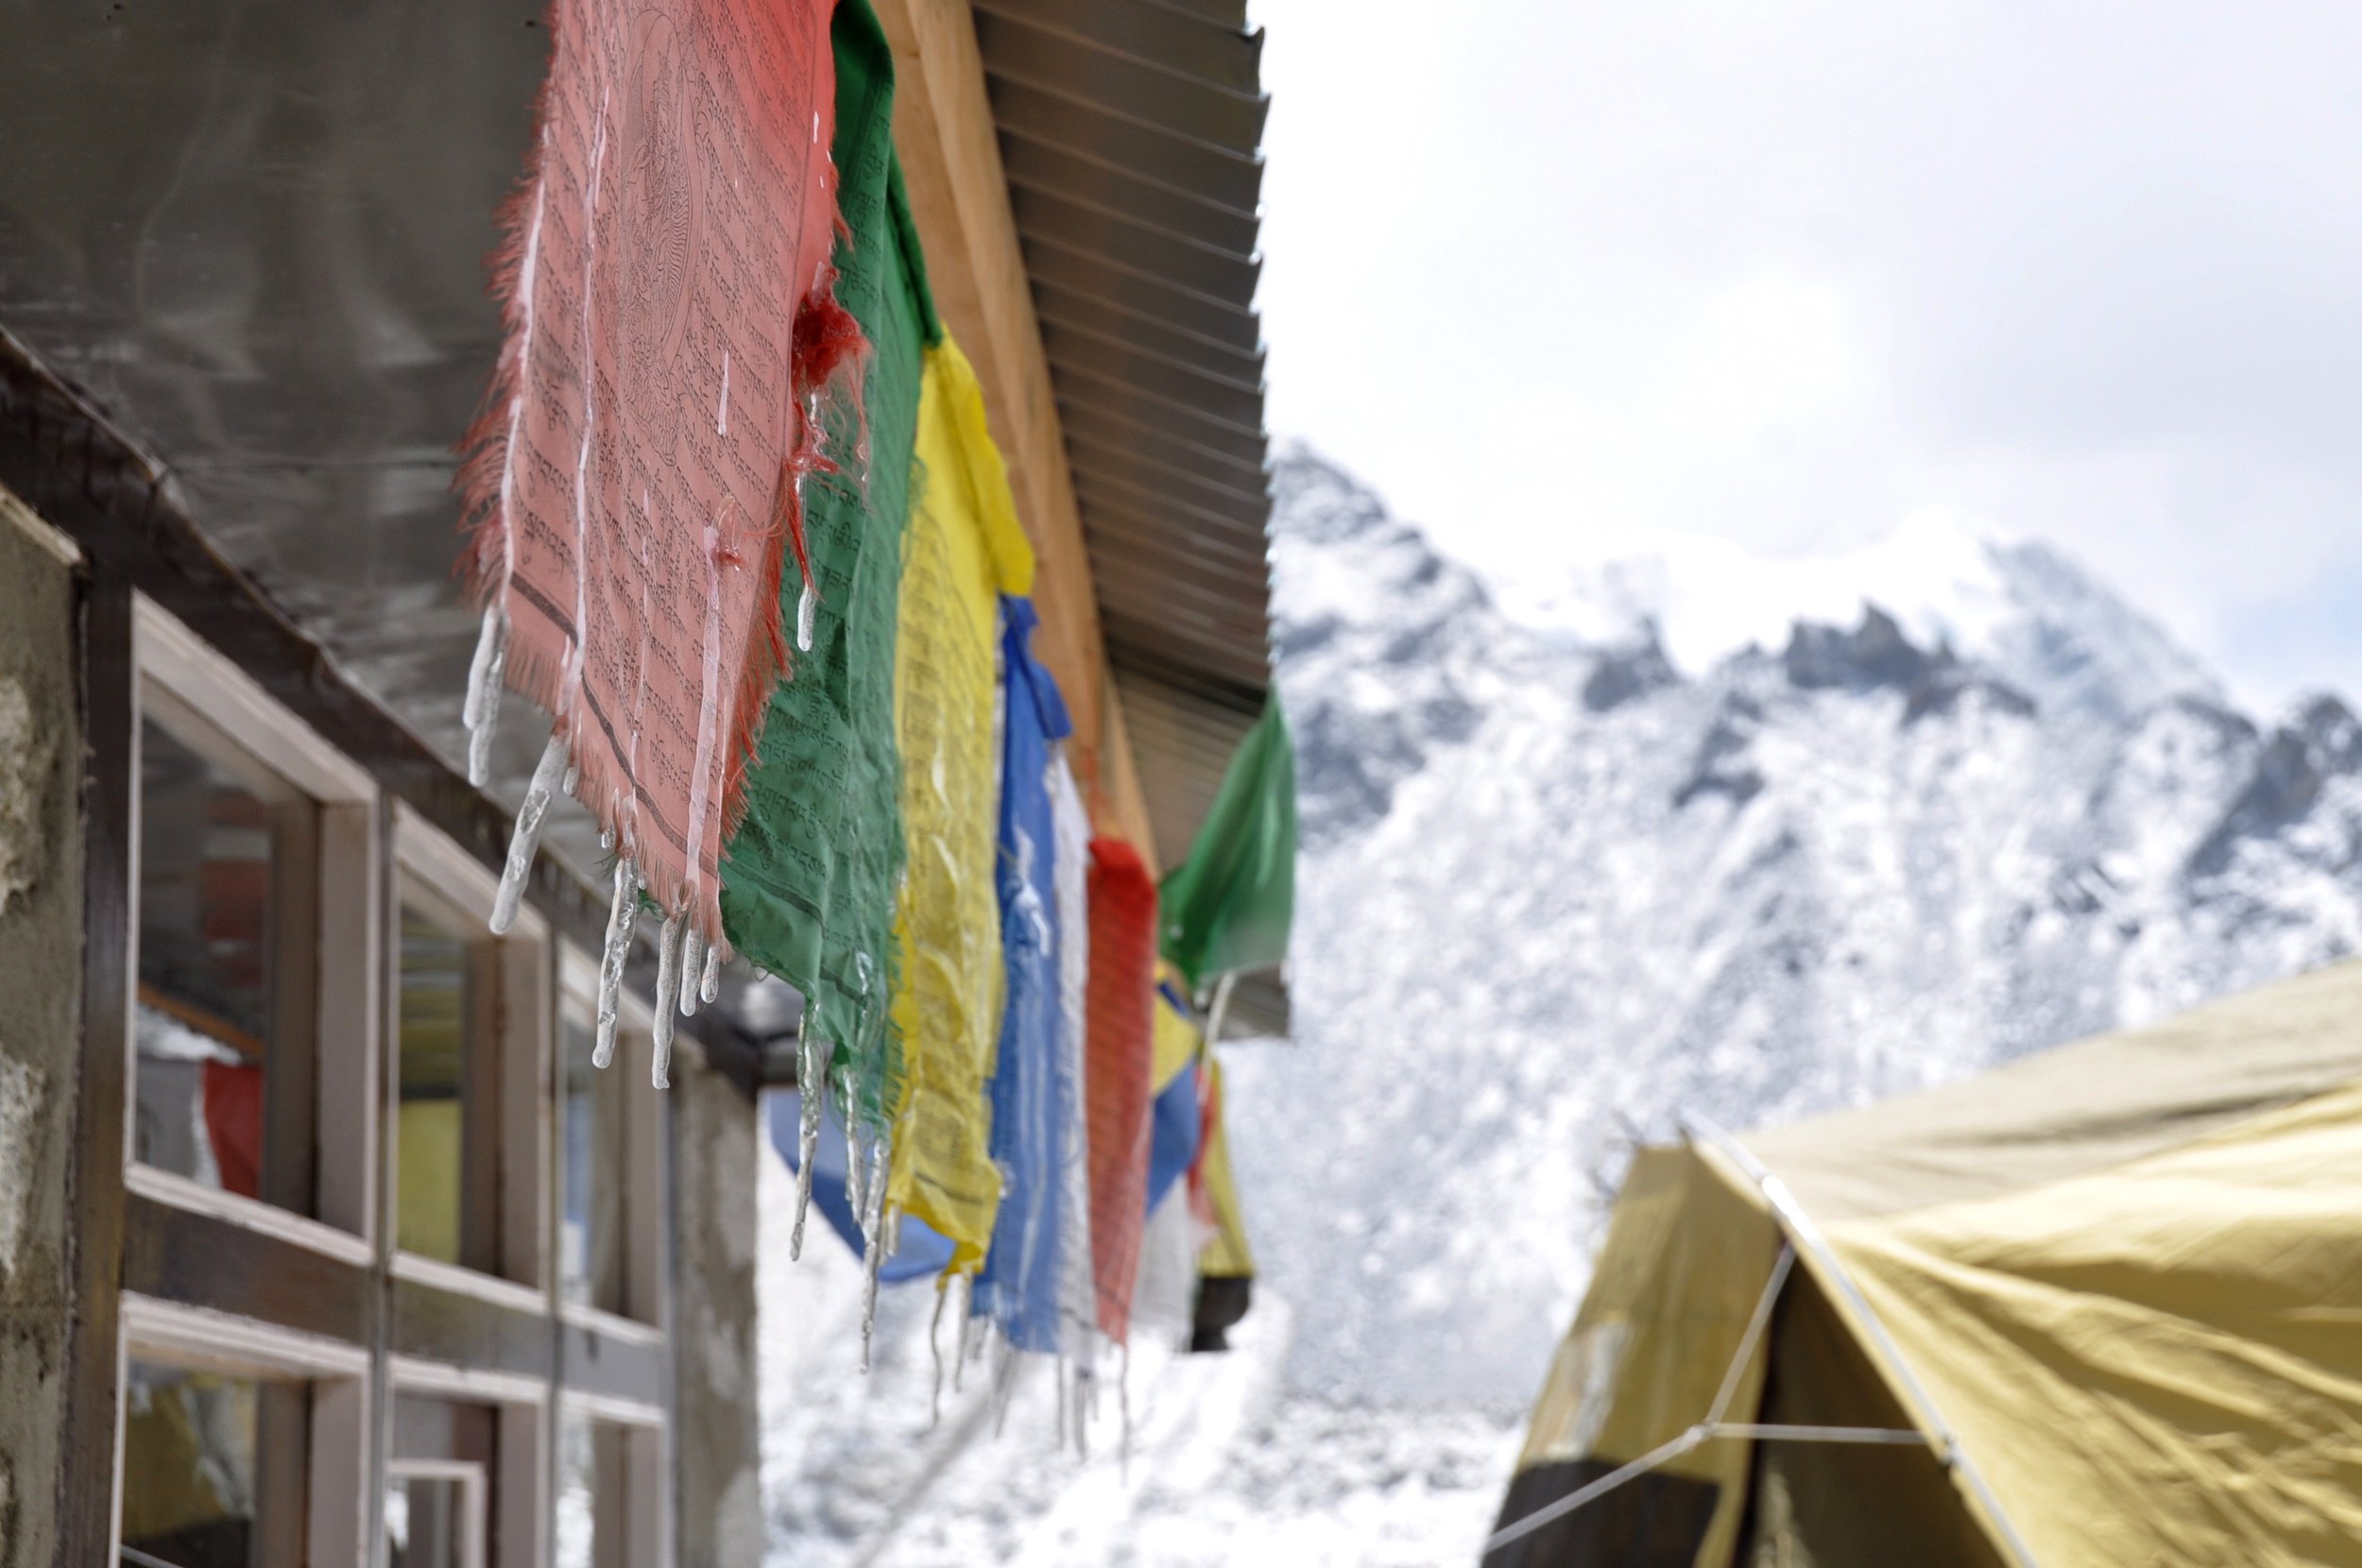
437, 1013
210, 848
189, 1472
426, 1522
591, 1154
577, 1487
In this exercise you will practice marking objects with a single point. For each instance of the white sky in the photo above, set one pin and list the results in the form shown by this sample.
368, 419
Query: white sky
1557, 275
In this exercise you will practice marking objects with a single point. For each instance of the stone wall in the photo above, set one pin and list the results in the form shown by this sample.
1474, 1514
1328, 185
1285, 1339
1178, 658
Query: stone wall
717, 1435
40, 967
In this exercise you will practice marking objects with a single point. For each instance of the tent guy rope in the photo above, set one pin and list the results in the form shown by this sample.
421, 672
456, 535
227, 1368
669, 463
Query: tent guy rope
1714, 1426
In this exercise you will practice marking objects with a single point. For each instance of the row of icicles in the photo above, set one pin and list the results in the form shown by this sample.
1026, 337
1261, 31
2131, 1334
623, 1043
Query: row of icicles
689, 973
689, 970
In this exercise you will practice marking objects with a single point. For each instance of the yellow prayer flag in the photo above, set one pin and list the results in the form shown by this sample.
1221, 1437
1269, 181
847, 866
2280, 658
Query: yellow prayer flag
963, 549
1225, 1256
1176, 1039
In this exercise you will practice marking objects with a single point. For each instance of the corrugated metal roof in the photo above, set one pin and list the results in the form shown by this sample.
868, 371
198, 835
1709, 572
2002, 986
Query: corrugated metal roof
1132, 133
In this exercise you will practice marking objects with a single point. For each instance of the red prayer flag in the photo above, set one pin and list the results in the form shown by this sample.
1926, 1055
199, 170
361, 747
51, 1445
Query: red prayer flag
1118, 1064
666, 289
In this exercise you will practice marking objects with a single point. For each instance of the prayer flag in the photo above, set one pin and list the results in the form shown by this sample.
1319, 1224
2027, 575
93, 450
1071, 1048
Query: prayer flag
1078, 1288
665, 295
1119, 1067
1019, 1285
1227, 907
813, 868
965, 551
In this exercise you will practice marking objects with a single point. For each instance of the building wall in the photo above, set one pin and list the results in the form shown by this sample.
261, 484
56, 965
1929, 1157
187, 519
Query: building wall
717, 1435
41, 966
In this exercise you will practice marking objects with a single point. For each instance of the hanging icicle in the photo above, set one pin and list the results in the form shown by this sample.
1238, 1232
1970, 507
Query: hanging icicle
1123, 1406
811, 1083
690, 967
481, 709
874, 1248
622, 915
709, 983
668, 946
966, 1321
934, 1352
526, 836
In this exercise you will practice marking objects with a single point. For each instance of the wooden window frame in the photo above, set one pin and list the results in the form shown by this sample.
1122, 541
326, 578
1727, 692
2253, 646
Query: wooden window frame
631, 1454
475, 1522
434, 873
648, 1168
522, 1458
219, 712
335, 1459
350, 1339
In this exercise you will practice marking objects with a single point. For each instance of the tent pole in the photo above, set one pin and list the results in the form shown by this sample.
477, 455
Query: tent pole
1806, 1238
1761, 1316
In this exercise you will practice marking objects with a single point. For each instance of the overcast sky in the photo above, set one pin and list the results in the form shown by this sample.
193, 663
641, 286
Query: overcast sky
1555, 274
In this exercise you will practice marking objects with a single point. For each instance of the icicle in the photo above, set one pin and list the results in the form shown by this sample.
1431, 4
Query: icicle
689, 943
1123, 1406
622, 914
873, 1251
1004, 1382
668, 944
709, 983
968, 1322
934, 1352
481, 710
1059, 1371
807, 611
812, 1082
856, 1180
526, 836
607, 838
1082, 1385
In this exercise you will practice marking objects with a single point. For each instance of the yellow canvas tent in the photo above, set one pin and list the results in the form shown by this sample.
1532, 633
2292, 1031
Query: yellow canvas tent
2101, 1307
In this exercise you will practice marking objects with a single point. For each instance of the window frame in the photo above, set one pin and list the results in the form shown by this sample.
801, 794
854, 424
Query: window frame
216, 710
476, 1517
337, 1375
337, 1313
433, 872
636, 1441
645, 1315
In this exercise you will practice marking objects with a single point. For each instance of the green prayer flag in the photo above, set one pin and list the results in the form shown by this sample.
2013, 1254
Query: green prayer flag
1228, 905
809, 884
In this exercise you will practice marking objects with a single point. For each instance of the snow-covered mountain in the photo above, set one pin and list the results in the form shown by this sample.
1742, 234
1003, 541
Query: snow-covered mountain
1573, 872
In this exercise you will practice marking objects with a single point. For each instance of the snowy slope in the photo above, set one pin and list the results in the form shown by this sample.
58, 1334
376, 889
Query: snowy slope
1569, 874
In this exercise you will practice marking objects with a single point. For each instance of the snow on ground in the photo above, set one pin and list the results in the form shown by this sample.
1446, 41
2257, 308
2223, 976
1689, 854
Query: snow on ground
1225, 1466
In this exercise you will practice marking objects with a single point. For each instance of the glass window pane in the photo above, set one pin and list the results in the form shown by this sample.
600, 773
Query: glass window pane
577, 1491
436, 1014
189, 1470
427, 1522
591, 1151
212, 850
